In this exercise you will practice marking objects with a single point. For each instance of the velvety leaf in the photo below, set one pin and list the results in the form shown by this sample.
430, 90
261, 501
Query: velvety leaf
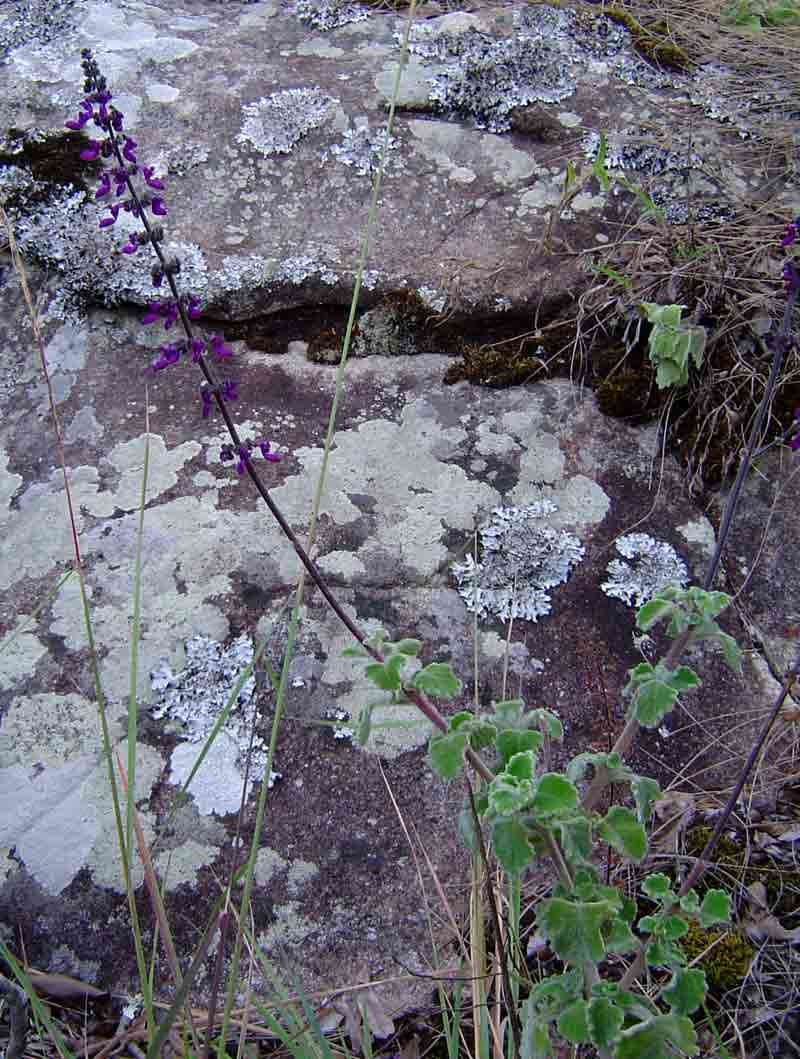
549, 724
690, 903
653, 611
649, 1039
438, 680
674, 927
355, 652
686, 990
460, 720
658, 886
619, 937
683, 678
364, 725
574, 929
623, 831
522, 765
386, 676
508, 795
605, 1021
408, 647
508, 713
573, 1023
511, 845
512, 741
653, 702
576, 838
716, 908
730, 651
554, 794
646, 792
447, 754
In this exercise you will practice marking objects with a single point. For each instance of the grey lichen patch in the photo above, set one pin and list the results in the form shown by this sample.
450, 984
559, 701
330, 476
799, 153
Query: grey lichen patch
289, 929
275, 124
269, 864
20, 652
699, 531
326, 15
181, 865
301, 873
460, 151
195, 698
55, 804
522, 558
651, 566
361, 149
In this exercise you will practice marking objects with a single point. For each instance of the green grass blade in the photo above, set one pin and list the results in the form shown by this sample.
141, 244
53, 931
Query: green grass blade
39, 1009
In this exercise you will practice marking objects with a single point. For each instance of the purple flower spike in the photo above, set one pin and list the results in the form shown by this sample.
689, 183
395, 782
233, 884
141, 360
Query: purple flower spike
116, 121
217, 344
198, 348
193, 308
273, 457
789, 235
206, 398
158, 207
150, 180
131, 246
230, 391
92, 152
129, 150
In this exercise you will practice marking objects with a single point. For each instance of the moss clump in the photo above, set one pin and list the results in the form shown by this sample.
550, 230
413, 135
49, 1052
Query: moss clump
326, 347
727, 963
489, 366
649, 42
628, 394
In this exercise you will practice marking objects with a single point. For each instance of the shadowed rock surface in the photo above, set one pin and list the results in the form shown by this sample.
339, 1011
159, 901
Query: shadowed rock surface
268, 191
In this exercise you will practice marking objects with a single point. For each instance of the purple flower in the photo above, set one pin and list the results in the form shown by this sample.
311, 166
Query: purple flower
131, 246
193, 308
150, 180
153, 313
158, 207
170, 313
129, 150
80, 121
217, 344
244, 456
206, 398
198, 347
789, 235
108, 221
104, 186
170, 354
273, 457
116, 120
92, 151
230, 391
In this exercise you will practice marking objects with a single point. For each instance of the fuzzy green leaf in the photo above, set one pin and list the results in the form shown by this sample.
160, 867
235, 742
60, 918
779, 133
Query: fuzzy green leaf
623, 831
509, 795
605, 1021
645, 793
683, 678
514, 741
548, 722
649, 1039
620, 938
674, 927
576, 838
508, 713
511, 844
573, 1023
554, 795
386, 676
686, 990
653, 611
447, 754
653, 702
716, 908
438, 680
535, 1040
574, 929
658, 886
408, 647
690, 903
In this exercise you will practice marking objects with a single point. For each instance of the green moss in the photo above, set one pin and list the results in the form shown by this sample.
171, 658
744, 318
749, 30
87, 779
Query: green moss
649, 41
535, 122
727, 963
489, 366
627, 394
